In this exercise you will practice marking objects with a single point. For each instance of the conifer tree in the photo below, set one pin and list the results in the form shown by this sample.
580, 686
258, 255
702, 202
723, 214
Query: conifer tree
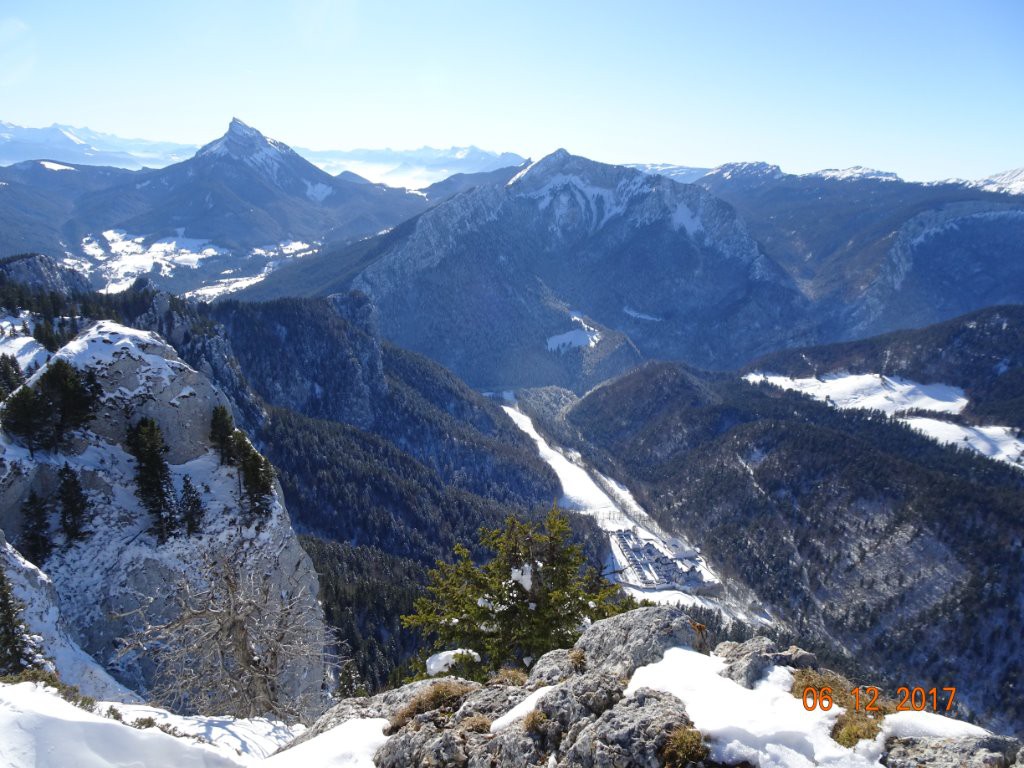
15, 653
35, 541
153, 477
190, 507
73, 503
533, 596
24, 416
70, 397
222, 427
11, 376
255, 475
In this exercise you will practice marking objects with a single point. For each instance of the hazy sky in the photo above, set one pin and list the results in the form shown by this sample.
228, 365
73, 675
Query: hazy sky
929, 89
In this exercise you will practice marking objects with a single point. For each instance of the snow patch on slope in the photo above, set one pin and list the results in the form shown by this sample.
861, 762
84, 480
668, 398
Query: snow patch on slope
895, 395
25, 349
890, 394
998, 443
768, 726
51, 166
38, 729
123, 256
585, 336
857, 172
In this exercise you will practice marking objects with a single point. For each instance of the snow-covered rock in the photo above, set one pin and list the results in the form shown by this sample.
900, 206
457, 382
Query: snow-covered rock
641, 681
42, 617
1008, 182
103, 580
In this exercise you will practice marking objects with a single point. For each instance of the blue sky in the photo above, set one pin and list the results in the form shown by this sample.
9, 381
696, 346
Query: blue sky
928, 89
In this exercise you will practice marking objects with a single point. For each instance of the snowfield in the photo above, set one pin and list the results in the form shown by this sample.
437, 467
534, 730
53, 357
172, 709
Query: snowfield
584, 336
647, 562
871, 391
38, 729
998, 443
895, 395
769, 727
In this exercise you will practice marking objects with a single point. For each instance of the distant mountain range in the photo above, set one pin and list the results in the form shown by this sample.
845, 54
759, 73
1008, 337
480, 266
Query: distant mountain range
241, 204
65, 143
412, 169
573, 270
564, 271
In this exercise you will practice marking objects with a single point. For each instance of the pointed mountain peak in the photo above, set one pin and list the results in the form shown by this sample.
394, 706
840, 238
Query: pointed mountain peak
559, 162
242, 142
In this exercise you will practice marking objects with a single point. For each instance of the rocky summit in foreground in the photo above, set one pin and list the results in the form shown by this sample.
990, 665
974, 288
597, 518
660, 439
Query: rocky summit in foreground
633, 692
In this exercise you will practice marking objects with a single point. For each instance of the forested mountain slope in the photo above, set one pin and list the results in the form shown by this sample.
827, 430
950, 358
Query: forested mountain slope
856, 530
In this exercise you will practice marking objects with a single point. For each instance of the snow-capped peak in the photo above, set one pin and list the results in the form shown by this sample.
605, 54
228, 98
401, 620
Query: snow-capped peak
242, 142
245, 144
1009, 182
756, 170
855, 172
541, 168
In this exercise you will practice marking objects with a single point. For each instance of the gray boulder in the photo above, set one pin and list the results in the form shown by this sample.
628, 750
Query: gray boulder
747, 662
622, 643
632, 734
971, 752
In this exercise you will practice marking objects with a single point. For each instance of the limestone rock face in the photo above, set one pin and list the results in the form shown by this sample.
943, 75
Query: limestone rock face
622, 643
103, 580
632, 734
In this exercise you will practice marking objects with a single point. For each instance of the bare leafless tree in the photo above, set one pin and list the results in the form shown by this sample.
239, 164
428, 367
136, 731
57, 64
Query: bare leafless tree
238, 646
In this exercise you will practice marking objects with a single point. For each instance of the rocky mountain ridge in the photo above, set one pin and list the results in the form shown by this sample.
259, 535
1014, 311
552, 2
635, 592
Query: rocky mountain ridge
566, 250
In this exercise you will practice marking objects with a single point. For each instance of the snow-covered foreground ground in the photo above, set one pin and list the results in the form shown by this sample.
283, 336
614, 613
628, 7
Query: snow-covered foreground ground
895, 395
648, 563
768, 726
38, 729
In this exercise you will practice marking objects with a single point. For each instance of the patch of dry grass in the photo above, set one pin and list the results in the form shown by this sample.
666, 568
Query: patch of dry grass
685, 745
444, 694
853, 725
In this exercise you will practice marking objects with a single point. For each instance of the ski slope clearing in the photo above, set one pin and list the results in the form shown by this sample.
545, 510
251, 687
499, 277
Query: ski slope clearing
647, 562
768, 726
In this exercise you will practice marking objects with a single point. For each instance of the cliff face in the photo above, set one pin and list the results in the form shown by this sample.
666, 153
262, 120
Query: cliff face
105, 582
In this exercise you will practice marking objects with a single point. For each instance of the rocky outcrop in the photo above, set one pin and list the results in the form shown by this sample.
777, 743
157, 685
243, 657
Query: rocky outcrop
582, 713
746, 663
971, 752
630, 735
119, 576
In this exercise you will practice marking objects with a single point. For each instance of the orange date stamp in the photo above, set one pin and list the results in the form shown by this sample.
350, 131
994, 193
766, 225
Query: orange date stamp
865, 699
